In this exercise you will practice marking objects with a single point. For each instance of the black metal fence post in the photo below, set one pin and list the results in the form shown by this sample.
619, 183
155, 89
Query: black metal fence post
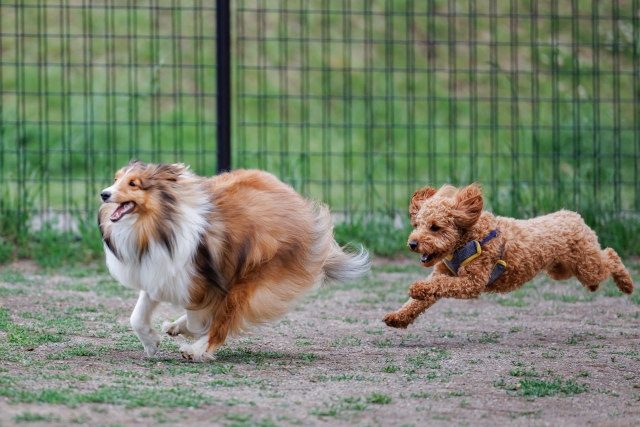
223, 83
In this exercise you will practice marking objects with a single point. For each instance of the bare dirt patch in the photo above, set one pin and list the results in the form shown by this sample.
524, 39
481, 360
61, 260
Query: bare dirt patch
548, 354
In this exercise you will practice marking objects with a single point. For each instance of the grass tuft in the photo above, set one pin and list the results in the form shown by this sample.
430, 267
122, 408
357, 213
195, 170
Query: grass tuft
28, 417
379, 399
542, 388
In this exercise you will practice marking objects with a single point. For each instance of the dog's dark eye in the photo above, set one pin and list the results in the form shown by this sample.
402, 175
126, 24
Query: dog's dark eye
132, 184
434, 228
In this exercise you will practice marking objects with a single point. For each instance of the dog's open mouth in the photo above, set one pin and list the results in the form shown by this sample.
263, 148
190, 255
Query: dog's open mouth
426, 257
122, 210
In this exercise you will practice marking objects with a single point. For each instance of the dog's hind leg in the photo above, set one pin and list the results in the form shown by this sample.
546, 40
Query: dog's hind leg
228, 319
594, 267
408, 313
620, 275
202, 350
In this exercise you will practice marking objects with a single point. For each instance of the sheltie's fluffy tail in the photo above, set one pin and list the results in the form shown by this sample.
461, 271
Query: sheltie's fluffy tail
344, 265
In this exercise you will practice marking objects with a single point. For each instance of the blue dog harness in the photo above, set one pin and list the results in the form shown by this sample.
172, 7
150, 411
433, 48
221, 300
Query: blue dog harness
471, 251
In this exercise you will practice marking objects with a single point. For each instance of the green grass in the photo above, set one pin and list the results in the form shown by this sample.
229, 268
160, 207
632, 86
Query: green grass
379, 399
49, 247
26, 336
247, 420
10, 291
233, 383
571, 298
489, 338
343, 377
543, 388
347, 341
393, 268
111, 288
12, 276
524, 373
130, 397
76, 350
99, 368
246, 355
428, 358
28, 417
341, 408
380, 234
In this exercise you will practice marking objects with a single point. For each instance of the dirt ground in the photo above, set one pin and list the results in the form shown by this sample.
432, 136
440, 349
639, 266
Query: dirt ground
550, 354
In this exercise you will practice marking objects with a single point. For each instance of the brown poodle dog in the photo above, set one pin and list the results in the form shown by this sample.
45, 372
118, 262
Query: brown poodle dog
474, 251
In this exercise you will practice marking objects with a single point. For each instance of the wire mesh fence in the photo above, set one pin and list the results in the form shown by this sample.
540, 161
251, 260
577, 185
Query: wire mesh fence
362, 102
356, 103
88, 85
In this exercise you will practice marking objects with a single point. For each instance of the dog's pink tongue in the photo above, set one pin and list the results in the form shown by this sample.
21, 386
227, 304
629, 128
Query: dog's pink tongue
122, 210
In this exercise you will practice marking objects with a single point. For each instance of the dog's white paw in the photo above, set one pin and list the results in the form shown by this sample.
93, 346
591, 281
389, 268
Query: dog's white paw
179, 327
150, 340
196, 352
176, 328
171, 328
151, 350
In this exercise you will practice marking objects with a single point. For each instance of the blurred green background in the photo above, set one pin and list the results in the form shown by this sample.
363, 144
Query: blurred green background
355, 103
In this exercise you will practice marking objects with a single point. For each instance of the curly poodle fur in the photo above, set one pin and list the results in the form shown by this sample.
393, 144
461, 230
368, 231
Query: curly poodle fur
560, 244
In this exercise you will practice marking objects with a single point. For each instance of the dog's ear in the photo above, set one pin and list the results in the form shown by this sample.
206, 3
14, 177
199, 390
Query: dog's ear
468, 206
136, 162
164, 172
170, 172
416, 201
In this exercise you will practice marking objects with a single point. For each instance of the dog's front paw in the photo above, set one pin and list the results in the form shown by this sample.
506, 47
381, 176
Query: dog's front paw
150, 340
396, 320
418, 291
151, 343
152, 349
196, 352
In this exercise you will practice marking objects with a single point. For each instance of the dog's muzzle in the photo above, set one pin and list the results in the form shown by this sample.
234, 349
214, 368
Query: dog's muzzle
426, 258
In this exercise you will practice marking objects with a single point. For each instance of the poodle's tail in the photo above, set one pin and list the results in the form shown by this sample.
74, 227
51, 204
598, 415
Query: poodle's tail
344, 266
620, 275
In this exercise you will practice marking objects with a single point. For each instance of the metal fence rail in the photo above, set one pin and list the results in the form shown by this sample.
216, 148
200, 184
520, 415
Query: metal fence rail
357, 103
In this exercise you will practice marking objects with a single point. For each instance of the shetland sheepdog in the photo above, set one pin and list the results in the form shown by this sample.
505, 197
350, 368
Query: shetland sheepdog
233, 250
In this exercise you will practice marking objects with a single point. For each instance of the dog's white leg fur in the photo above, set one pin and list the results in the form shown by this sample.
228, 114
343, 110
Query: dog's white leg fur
141, 323
195, 323
197, 352
179, 327
198, 323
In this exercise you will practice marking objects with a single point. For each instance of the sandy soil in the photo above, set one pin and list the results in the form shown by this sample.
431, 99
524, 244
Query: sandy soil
548, 354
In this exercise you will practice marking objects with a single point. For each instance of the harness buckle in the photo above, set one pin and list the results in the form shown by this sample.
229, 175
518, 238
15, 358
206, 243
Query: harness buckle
471, 251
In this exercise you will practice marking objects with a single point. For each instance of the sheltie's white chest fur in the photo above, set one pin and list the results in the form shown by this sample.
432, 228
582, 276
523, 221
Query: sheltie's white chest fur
163, 275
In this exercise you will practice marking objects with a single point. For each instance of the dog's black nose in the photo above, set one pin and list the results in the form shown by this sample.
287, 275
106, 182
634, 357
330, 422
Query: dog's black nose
413, 245
105, 195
